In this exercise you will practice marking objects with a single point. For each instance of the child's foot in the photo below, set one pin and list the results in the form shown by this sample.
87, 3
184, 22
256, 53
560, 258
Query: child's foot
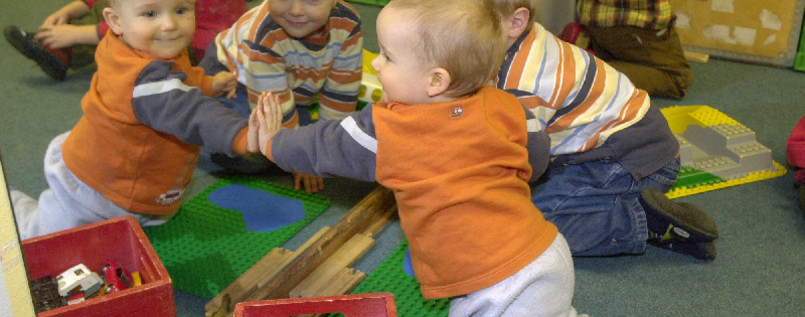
681, 227
53, 62
699, 250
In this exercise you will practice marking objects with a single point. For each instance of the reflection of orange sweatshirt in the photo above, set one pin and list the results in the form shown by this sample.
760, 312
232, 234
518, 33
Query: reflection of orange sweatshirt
459, 172
144, 119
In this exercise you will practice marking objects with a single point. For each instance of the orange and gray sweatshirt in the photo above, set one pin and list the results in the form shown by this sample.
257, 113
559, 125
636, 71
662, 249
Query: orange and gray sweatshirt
144, 121
459, 171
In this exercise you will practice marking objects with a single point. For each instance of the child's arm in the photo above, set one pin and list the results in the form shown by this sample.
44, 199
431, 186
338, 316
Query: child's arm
328, 148
64, 14
56, 32
67, 35
186, 112
538, 145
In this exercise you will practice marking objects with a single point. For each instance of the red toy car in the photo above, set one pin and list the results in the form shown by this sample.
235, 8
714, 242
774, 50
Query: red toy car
117, 278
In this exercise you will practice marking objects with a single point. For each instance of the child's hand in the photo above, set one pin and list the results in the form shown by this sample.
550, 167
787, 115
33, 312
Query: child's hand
268, 113
224, 82
253, 139
65, 35
312, 183
57, 18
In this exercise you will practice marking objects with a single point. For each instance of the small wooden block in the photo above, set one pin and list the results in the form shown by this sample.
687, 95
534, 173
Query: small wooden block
696, 57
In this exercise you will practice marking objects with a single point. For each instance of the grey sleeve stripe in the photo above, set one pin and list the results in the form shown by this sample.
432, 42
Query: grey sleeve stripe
358, 135
160, 87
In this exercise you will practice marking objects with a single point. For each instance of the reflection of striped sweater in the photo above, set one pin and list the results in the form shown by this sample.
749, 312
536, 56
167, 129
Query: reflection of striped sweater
328, 64
590, 110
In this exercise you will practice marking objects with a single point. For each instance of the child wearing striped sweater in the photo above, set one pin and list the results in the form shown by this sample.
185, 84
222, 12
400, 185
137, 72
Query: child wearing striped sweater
612, 152
298, 51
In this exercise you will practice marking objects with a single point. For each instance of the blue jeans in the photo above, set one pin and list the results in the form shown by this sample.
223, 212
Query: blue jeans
240, 103
596, 206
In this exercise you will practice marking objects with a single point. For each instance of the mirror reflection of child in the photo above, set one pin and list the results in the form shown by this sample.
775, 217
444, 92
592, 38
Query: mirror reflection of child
145, 117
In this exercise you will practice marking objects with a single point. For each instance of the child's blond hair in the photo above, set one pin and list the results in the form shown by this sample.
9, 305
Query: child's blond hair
506, 8
115, 3
461, 36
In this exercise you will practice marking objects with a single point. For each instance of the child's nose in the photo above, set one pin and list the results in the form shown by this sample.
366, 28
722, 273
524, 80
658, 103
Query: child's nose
169, 22
297, 8
376, 63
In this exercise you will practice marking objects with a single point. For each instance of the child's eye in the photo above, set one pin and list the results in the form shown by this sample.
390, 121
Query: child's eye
150, 14
181, 11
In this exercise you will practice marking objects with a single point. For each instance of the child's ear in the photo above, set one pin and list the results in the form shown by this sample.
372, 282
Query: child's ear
113, 20
519, 22
438, 82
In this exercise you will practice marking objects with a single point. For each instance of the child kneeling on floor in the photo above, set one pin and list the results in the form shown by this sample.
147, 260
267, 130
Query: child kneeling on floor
457, 154
148, 111
613, 155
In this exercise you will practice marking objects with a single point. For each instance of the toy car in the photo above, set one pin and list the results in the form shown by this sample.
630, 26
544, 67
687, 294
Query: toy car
117, 278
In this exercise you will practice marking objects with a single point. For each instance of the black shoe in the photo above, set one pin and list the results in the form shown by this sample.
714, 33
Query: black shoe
682, 222
680, 227
22, 41
699, 250
52, 64
243, 164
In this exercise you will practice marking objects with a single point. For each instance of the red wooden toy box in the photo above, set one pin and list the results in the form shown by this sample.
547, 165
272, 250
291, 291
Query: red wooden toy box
119, 239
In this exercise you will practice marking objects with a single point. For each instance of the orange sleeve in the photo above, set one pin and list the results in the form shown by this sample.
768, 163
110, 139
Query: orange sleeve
240, 142
268, 153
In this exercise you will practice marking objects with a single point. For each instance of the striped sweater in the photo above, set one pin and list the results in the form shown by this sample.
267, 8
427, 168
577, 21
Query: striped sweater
589, 110
328, 64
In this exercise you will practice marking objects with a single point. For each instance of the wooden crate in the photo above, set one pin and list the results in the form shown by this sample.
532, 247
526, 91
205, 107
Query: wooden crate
765, 32
119, 239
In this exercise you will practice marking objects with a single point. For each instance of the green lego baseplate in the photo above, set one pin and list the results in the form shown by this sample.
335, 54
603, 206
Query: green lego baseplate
390, 276
716, 151
206, 247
